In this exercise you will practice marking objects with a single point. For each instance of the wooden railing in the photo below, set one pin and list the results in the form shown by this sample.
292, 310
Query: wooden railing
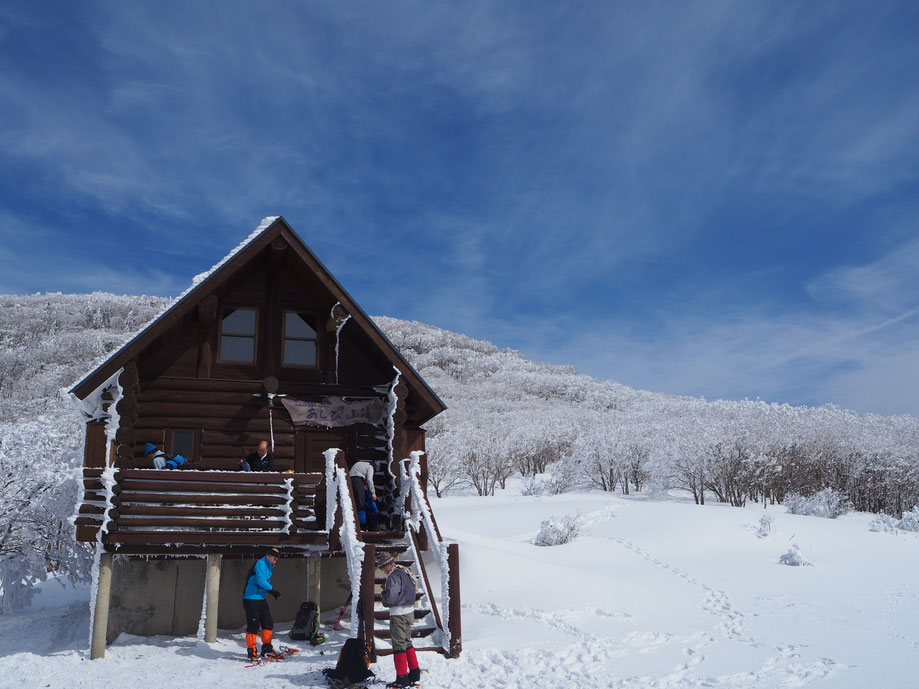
423, 530
148, 509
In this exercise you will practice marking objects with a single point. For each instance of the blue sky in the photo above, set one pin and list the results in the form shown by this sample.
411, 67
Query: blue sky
715, 198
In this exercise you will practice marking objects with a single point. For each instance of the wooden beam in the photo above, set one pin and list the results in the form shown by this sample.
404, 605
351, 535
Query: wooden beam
215, 539
159, 510
94, 448
368, 574
101, 608
204, 499
455, 620
175, 486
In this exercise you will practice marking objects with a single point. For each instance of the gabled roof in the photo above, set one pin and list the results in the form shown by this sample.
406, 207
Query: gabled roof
270, 229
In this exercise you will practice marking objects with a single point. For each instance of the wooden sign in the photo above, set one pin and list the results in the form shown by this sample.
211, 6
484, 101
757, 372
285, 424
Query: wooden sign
333, 412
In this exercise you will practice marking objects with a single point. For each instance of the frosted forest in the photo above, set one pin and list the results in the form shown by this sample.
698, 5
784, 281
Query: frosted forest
507, 416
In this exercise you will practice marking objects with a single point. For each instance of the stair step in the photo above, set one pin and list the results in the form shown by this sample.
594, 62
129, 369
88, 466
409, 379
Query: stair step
419, 649
394, 549
417, 632
420, 614
382, 536
379, 596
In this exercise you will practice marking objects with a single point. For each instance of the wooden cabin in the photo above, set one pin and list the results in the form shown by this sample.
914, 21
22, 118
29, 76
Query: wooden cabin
265, 346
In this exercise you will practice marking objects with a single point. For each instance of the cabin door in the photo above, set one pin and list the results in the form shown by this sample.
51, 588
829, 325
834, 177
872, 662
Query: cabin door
310, 446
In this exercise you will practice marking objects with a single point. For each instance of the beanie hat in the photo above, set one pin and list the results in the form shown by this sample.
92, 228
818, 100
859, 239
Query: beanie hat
274, 552
384, 559
148, 448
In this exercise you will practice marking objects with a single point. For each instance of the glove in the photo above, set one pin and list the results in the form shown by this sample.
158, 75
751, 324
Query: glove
275, 593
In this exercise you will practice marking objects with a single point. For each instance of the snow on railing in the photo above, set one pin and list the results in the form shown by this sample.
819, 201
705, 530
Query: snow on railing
337, 492
418, 517
108, 485
287, 507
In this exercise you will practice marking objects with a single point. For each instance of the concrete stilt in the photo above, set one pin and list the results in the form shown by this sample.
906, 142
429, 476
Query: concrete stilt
212, 586
103, 598
313, 576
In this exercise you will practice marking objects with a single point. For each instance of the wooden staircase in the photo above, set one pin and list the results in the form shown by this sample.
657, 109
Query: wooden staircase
427, 622
435, 632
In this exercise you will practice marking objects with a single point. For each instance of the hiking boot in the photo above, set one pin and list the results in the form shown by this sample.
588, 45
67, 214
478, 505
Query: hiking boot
414, 676
266, 649
250, 652
401, 682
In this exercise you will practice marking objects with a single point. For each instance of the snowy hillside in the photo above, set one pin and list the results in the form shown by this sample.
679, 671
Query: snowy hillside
507, 416
651, 593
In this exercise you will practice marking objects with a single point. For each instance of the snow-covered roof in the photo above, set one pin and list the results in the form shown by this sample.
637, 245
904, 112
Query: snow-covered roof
202, 285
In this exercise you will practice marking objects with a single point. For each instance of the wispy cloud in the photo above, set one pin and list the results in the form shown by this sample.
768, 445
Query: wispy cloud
690, 198
864, 356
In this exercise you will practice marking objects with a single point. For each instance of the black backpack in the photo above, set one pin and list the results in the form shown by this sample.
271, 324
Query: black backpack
353, 664
306, 626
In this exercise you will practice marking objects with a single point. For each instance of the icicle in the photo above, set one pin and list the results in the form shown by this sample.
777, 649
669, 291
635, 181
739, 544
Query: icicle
114, 420
338, 327
271, 419
393, 405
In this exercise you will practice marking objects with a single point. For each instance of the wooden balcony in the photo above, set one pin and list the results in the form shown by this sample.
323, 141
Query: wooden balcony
187, 512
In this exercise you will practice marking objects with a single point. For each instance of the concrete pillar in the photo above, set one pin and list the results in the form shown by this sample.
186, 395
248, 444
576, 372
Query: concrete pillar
313, 572
212, 587
103, 598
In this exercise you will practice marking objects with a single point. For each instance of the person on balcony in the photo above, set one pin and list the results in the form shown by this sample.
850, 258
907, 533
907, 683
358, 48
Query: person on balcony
261, 460
258, 615
399, 597
161, 460
362, 480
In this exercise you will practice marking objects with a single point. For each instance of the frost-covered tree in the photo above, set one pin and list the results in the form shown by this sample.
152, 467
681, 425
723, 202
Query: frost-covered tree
47, 342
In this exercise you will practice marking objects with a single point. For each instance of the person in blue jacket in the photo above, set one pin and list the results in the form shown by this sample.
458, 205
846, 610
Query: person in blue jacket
258, 583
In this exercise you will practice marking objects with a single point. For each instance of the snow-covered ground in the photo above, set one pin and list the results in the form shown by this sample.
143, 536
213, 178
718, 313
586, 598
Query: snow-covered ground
651, 594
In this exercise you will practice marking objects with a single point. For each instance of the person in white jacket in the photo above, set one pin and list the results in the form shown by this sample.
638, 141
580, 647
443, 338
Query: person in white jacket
362, 480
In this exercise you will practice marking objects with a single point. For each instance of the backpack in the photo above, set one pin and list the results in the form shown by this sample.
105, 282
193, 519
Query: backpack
176, 462
306, 626
353, 664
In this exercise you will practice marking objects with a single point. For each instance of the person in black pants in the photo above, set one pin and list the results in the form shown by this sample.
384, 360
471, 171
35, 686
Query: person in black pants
258, 616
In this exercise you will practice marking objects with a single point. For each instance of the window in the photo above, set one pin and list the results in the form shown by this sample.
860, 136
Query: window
183, 443
237, 336
300, 340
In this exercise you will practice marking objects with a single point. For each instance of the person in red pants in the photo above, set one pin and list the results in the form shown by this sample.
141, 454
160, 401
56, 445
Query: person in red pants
399, 597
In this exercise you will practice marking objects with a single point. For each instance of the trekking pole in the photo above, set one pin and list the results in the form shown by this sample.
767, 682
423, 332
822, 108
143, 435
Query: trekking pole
341, 613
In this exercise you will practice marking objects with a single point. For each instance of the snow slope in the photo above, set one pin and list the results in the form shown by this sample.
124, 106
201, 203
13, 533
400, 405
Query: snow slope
651, 594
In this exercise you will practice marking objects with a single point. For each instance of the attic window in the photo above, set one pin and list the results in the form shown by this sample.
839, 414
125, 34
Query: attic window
237, 336
300, 339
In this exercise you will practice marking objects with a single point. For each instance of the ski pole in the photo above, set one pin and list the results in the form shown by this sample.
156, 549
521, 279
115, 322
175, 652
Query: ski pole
341, 613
